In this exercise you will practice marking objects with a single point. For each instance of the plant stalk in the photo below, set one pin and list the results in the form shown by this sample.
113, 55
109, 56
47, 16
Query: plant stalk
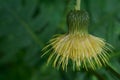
77, 6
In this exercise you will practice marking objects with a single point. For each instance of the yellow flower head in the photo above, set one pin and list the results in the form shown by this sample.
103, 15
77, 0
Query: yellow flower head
79, 47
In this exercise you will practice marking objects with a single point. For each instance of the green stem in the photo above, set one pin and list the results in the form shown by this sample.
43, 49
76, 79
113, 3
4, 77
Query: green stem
110, 69
77, 6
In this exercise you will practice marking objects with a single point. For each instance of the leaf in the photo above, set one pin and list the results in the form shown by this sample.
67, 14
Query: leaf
23, 24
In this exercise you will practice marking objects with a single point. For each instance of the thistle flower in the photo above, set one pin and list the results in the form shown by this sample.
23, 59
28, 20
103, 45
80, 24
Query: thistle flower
78, 46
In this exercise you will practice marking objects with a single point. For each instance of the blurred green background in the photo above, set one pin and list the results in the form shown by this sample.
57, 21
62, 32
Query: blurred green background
27, 25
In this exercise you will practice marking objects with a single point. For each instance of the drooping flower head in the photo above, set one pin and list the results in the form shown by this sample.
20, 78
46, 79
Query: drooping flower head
78, 46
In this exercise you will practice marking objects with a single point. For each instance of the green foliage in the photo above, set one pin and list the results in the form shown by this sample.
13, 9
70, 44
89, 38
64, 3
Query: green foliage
26, 26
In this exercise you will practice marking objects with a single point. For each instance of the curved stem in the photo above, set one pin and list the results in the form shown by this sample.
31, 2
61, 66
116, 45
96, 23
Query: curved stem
77, 6
113, 71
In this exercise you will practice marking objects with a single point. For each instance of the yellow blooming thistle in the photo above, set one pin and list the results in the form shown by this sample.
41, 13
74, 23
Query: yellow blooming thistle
78, 46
